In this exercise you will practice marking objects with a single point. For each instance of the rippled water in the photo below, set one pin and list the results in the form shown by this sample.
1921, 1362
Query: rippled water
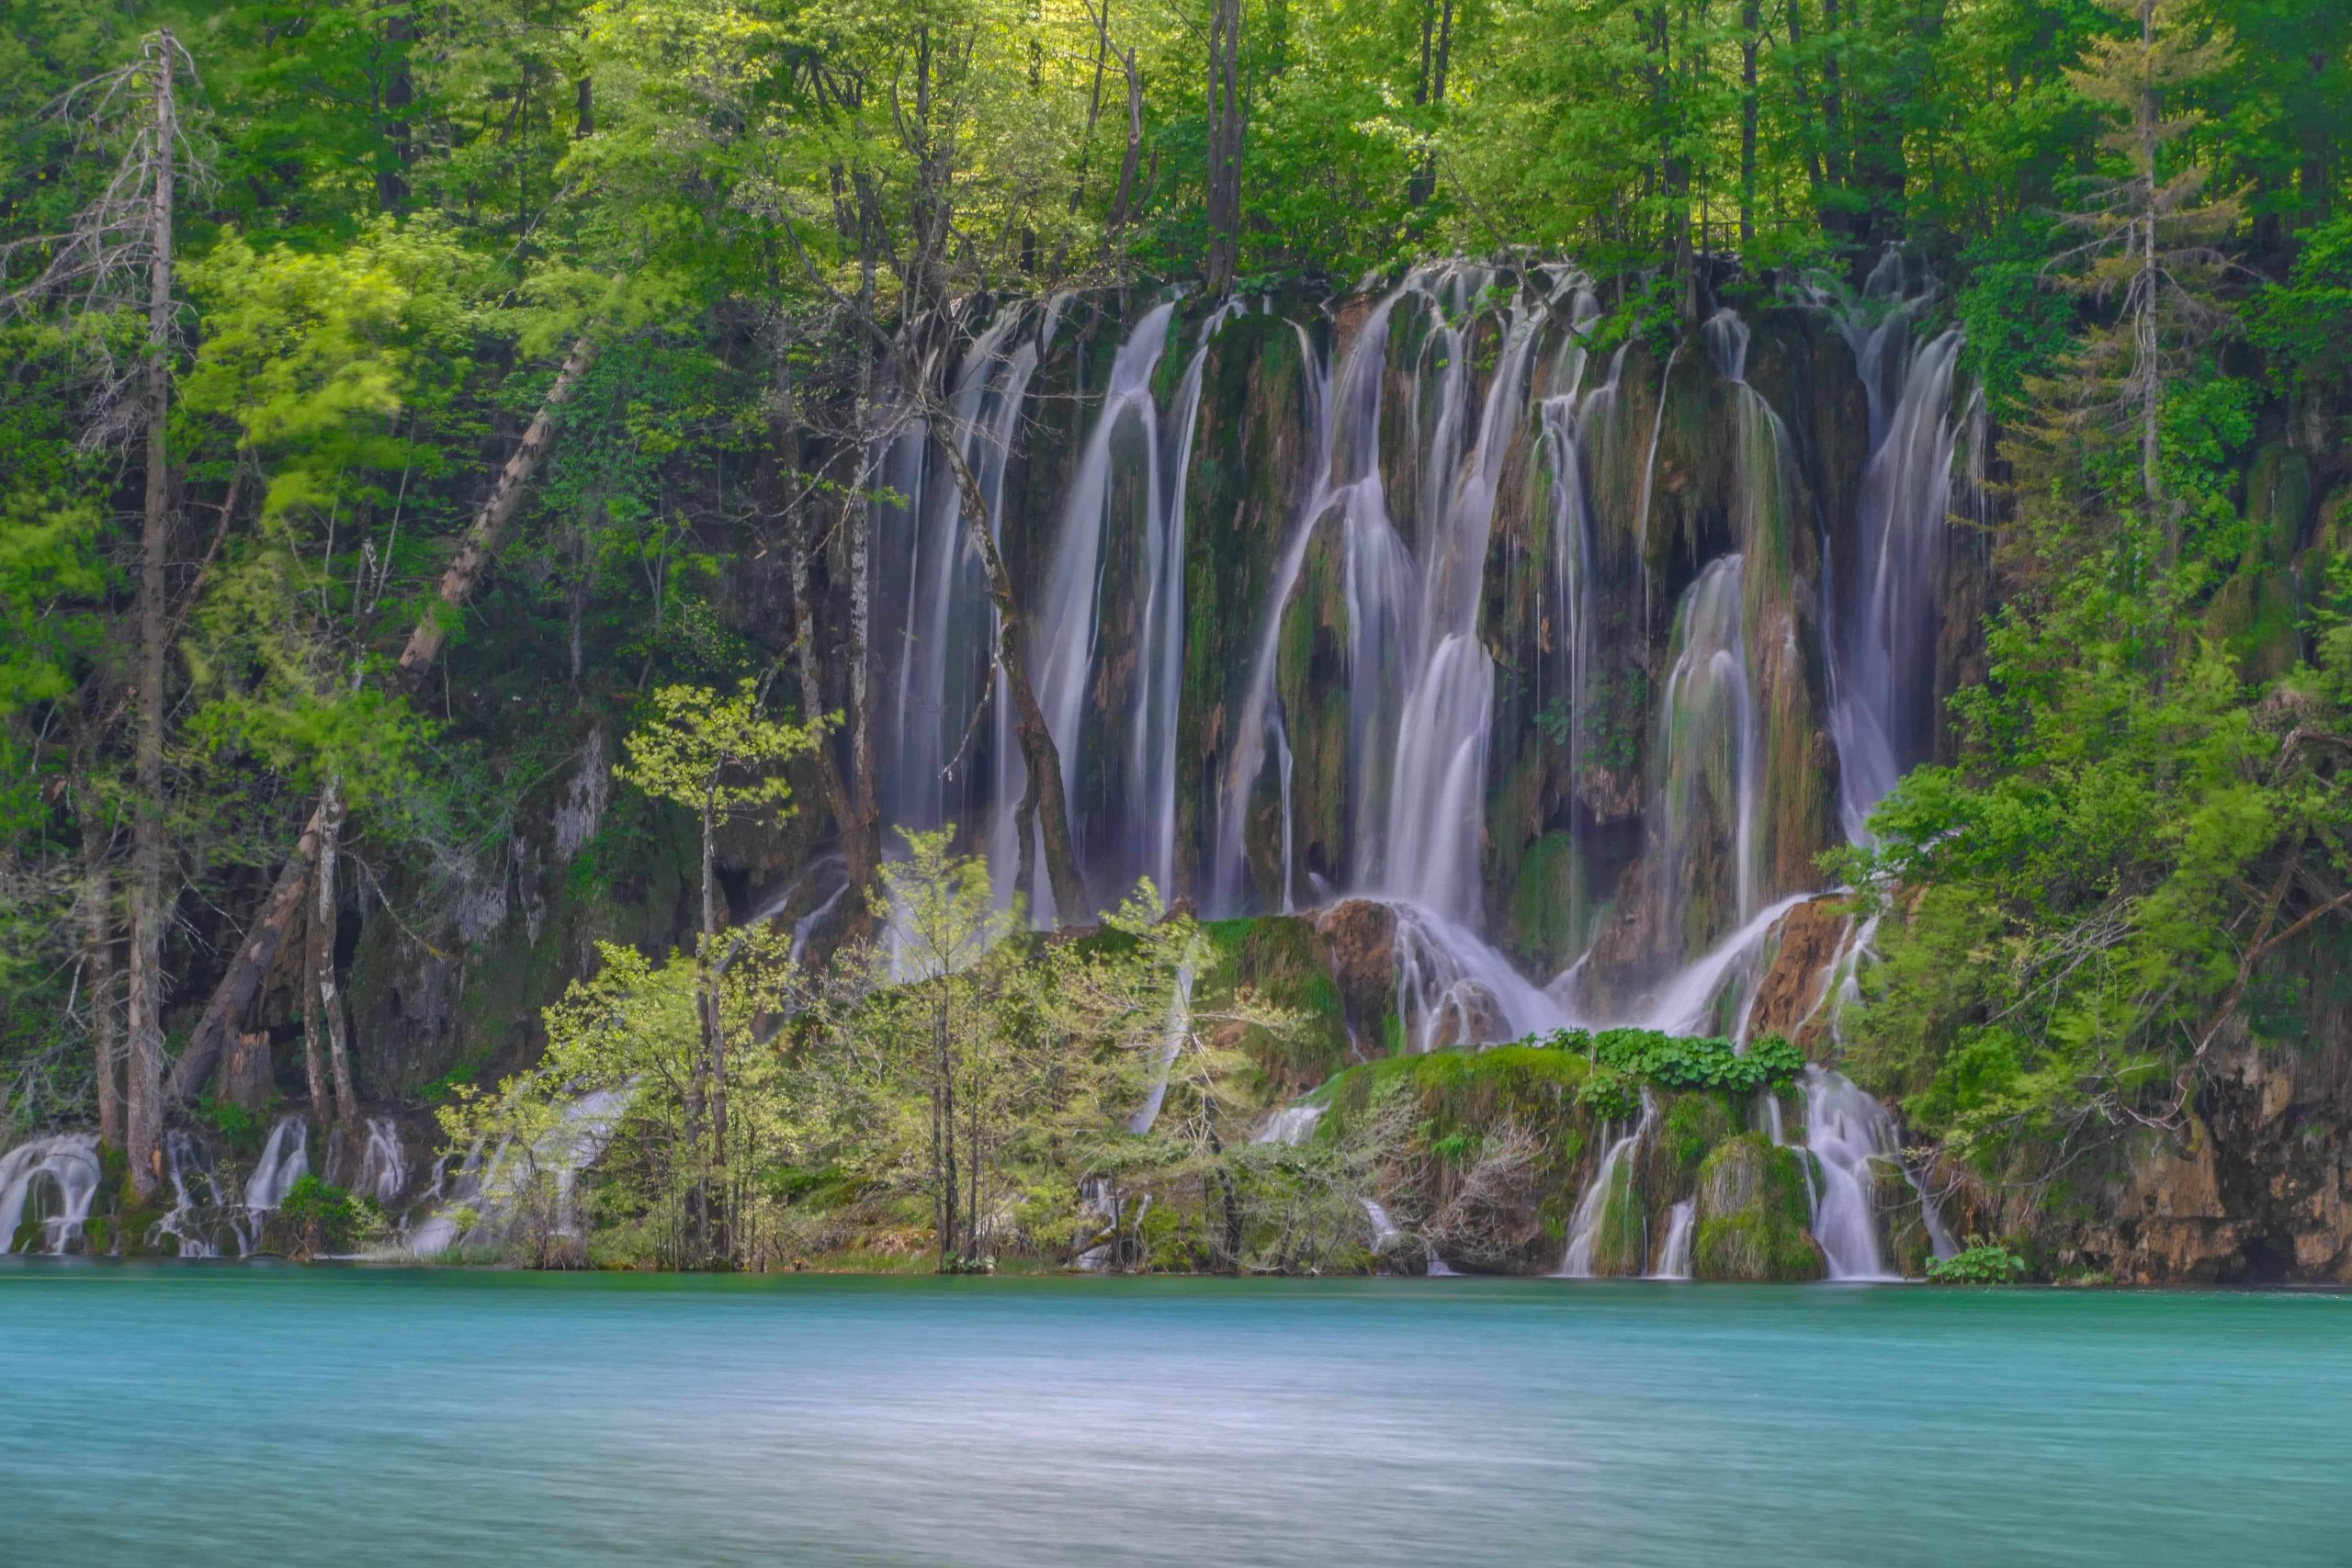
229, 1415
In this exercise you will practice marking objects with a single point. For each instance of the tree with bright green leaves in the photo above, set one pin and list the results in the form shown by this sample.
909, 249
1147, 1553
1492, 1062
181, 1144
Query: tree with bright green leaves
722, 758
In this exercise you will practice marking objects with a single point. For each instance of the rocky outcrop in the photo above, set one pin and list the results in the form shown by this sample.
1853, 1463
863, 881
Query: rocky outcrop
1753, 1210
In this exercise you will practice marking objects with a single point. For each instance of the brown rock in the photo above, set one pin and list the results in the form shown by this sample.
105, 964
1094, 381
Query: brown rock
1789, 1001
1359, 940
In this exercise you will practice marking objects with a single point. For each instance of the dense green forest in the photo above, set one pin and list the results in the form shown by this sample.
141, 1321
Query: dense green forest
402, 397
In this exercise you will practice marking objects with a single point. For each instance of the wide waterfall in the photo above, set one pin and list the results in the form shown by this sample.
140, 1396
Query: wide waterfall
1553, 637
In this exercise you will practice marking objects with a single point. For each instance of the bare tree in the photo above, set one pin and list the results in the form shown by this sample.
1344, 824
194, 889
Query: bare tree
118, 256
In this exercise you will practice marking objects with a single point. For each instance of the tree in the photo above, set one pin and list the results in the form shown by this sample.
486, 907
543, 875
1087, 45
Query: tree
117, 253
2149, 242
720, 757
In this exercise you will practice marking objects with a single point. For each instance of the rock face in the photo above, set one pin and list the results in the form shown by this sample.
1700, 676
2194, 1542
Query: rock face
2258, 1190
1789, 1001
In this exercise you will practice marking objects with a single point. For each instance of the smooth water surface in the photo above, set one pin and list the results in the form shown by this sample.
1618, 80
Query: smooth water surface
236, 1415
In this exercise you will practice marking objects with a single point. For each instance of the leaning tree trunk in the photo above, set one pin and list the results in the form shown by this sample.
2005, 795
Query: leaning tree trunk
1039, 751
143, 1125
480, 546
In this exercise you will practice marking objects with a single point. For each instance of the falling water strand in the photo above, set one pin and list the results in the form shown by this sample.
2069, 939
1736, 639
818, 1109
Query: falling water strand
1584, 1224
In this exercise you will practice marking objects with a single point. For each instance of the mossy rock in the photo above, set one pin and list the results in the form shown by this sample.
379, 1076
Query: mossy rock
1690, 1127
1278, 958
1753, 1210
1457, 1099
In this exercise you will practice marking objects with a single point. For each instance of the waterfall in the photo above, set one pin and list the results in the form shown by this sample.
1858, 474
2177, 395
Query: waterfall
1290, 1126
284, 1160
931, 585
1452, 988
1160, 674
1849, 1134
1707, 746
1584, 1224
50, 1180
486, 1199
1436, 824
1674, 1254
1351, 398
384, 1165
1883, 601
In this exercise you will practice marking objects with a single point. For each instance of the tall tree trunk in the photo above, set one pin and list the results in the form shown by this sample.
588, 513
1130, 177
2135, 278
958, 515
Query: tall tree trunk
784, 450
712, 1069
243, 980
1041, 756
944, 1151
2151, 281
315, 942
399, 98
98, 969
346, 1096
1751, 28
1226, 111
142, 1131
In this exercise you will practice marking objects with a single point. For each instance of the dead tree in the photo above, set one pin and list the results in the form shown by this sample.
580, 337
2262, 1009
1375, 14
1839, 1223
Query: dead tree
117, 256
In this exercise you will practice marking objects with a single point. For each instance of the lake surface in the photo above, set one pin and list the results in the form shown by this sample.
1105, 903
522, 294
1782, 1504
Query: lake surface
243, 1414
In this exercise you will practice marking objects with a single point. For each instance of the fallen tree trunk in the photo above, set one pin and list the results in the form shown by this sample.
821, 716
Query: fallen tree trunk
1044, 796
480, 546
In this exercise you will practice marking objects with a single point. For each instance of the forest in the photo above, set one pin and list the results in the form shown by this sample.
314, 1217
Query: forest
1828, 523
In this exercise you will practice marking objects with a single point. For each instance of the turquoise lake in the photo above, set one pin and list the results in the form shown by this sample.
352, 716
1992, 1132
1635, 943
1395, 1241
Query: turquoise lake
245, 1414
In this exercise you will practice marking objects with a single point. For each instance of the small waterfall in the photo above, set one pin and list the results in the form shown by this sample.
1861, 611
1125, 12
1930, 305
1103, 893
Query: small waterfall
930, 583
485, 1198
1584, 1225
1160, 674
1068, 620
284, 1160
1350, 398
1179, 1025
196, 1192
1883, 600
1452, 988
1690, 1001
1674, 1255
1290, 1126
383, 1165
1848, 1133
50, 1180
1385, 1234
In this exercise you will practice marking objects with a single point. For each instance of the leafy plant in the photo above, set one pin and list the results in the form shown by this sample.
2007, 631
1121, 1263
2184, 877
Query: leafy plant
1980, 1263
1635, 1056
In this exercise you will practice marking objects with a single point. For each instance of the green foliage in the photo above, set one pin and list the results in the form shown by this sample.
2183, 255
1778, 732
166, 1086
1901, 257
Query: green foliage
1671, 1061
2304, 325
1979, 1263
322, 1218
2019, 325
715, 754
241, 1130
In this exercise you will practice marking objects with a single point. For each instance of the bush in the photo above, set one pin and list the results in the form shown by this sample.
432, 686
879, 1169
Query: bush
1981, 1263
321, 1217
